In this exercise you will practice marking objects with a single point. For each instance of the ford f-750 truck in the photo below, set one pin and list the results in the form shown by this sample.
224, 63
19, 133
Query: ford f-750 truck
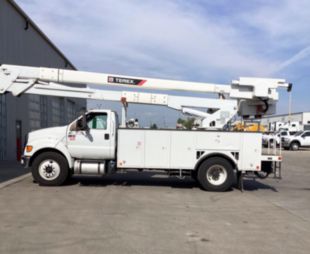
95, 144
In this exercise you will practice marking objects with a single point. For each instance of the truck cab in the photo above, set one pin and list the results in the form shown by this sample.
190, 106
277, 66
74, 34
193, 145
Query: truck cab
86, 145
92, 135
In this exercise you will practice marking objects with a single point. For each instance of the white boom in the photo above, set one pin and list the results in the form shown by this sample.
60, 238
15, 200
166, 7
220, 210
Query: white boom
248, 96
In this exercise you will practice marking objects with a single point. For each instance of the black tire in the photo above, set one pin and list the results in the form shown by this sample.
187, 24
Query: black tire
294, 146
212, 167
44, 167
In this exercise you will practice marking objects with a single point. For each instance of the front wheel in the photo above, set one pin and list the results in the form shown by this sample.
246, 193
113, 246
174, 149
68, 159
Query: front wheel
50, 169
215, 174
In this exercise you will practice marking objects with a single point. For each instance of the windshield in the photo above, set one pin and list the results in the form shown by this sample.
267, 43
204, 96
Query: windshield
298, 133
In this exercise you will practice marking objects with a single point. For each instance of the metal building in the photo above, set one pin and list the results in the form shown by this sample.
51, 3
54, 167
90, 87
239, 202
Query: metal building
303, 118
22, 42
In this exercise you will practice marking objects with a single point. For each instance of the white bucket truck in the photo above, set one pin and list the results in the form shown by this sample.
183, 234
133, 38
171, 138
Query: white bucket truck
94, 144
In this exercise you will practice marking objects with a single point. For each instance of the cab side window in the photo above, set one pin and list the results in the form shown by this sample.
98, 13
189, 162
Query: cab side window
97, 121
307, 134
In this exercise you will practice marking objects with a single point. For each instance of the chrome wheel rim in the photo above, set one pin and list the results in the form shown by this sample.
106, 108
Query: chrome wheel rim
216, 175
49, 169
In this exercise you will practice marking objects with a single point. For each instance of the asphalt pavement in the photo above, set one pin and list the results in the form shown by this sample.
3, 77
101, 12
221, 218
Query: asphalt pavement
150, 213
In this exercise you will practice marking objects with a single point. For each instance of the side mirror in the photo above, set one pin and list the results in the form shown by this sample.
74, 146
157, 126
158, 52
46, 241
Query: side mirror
82, 123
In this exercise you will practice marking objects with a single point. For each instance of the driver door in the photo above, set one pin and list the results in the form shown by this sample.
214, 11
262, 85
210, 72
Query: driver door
95, 141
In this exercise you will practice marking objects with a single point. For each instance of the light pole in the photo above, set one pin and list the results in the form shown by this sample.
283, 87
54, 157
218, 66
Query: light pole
289, 106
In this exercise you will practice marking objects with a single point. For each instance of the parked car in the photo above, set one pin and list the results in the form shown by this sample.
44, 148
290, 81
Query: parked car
300, 139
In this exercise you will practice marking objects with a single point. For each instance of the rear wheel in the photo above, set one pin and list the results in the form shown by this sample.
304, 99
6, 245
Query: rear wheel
294, 146
50, 169
215, 174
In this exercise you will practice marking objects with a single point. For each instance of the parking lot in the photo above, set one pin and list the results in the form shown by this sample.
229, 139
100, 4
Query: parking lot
150, 213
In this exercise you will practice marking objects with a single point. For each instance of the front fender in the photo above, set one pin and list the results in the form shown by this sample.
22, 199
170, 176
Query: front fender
48, 144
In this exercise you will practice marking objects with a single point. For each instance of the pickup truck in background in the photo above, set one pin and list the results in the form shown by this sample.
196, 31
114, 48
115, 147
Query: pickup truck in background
271, 139
300, 139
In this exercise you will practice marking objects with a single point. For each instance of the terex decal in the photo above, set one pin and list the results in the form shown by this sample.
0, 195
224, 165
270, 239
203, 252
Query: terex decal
126, 81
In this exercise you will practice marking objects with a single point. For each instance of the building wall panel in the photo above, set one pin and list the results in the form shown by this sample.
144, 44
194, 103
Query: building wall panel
22, 44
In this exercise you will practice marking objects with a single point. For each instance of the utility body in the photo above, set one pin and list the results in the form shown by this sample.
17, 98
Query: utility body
94, 144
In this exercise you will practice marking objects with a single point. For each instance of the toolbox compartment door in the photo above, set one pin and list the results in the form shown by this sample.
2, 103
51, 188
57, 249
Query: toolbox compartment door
130, 148
157, 149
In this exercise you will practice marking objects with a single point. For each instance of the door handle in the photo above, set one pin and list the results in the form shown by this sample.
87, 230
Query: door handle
106, 136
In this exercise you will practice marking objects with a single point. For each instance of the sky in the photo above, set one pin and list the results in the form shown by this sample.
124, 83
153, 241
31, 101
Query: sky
202, 40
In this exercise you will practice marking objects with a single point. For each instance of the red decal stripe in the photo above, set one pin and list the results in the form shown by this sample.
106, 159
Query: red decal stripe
141, 82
